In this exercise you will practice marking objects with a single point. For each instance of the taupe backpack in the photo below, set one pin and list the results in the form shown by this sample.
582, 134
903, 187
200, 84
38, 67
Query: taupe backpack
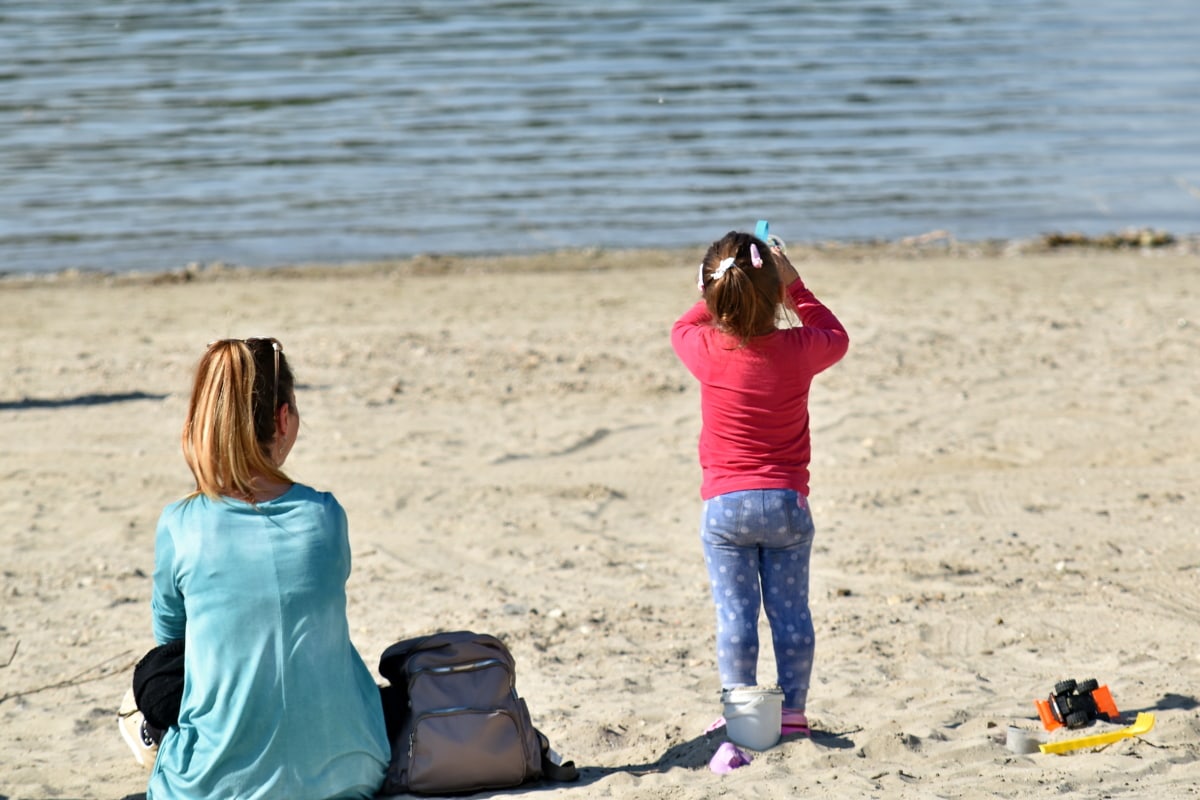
455, 720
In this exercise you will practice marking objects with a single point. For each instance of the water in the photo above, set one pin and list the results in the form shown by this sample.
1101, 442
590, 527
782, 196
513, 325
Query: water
146, 134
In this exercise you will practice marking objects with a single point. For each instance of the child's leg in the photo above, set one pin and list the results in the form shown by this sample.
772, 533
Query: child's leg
733, 575
785, 596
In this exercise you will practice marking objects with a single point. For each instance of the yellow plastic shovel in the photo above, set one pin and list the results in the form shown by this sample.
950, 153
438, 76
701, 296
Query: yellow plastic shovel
1142, 724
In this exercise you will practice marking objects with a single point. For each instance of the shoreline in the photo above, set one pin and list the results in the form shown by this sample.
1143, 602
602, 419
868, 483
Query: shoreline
1147, 241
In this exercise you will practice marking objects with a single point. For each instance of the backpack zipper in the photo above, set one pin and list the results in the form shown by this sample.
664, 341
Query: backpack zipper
474, 665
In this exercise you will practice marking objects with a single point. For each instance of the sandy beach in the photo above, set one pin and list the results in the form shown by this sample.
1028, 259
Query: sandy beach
1004, 485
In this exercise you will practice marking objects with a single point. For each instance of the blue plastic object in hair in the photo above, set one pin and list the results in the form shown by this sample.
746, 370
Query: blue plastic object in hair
762, 230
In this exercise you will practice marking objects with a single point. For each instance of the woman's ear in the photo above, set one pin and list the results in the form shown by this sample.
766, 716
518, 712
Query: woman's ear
282, 419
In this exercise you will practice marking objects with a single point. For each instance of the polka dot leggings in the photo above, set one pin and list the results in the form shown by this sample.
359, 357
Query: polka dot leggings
757, 546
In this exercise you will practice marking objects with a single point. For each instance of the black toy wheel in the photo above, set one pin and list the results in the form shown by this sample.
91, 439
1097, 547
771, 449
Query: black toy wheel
1088, 686
1064, 687
1077, 719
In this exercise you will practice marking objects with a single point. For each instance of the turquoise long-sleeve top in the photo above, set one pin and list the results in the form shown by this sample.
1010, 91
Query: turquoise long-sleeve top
277, 703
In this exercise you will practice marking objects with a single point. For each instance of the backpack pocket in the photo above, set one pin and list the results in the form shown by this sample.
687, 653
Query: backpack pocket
463, 749
481, 683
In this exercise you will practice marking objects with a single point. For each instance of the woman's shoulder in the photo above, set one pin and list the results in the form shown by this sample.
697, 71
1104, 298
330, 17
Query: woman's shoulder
297, 494
180, 507
319, 502
302, 492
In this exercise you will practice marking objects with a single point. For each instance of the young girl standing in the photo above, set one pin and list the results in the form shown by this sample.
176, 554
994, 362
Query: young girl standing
756, 528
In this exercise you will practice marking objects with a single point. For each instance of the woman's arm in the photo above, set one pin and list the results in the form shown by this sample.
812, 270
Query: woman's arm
169, 619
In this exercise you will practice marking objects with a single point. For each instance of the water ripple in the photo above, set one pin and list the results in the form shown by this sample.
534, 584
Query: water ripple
145, 134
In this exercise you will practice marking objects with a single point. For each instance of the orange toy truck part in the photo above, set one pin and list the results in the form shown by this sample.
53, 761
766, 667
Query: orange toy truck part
1104, 704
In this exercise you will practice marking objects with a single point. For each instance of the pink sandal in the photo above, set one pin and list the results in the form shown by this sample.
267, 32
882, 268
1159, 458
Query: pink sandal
716, 725
794, 722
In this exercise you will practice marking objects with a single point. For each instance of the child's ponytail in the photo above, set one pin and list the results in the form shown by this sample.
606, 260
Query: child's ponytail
741, 285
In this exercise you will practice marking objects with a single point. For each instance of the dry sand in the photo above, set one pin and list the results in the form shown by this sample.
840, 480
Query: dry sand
1004, 484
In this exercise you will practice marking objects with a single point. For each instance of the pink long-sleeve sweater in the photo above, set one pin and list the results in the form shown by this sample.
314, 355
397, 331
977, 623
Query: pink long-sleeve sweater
754, 398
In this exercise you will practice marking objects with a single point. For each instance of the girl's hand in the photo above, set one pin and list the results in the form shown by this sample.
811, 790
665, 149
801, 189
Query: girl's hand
787, 273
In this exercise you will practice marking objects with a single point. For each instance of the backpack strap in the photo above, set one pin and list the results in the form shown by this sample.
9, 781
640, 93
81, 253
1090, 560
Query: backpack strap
559, 773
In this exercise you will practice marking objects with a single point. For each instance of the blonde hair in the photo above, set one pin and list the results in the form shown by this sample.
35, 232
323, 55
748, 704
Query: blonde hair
230, 421
743, 299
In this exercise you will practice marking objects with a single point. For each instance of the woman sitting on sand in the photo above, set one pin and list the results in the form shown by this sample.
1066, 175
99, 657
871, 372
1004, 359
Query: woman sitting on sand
756, 528
250, 571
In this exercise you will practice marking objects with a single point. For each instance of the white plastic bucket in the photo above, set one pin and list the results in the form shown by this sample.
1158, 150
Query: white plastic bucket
753, 715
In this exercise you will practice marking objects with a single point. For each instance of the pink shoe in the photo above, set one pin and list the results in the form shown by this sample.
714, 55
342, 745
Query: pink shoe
794, 721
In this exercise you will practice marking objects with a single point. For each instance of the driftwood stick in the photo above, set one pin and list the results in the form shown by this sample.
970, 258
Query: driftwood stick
14, 654
102, 670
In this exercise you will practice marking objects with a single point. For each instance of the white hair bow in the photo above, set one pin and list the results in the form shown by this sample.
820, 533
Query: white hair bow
722, 268
717, 273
